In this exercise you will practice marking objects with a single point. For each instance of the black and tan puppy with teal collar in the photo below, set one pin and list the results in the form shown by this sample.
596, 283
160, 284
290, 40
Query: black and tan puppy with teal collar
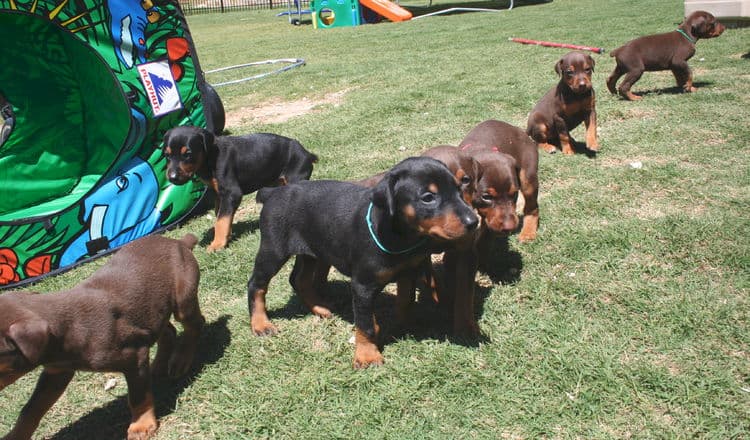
373, 235
233, 166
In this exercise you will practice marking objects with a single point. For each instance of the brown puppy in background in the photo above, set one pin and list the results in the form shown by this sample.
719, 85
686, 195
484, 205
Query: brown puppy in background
106, 323
668, 51
565, 106
505, 138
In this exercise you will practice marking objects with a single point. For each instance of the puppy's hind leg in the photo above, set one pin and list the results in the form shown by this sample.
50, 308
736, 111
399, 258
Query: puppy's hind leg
165, 346
49, 388
305, 282
612, 80
630, 78
539, 131
268, 262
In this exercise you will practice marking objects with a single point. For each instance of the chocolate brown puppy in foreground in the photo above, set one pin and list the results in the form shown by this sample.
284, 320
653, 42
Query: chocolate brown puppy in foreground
668, 51
106, 323
373, 235
565, 106
233, 166
505, 138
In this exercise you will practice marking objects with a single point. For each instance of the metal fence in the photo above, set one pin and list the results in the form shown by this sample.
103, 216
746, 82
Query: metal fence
208, 6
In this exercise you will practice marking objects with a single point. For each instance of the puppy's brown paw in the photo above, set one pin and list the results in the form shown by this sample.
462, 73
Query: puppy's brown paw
321, 312
264, 328
549, 148
365, 360
215, 246
142, 429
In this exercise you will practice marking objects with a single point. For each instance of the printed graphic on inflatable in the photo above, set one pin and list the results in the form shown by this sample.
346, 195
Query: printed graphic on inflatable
87, 90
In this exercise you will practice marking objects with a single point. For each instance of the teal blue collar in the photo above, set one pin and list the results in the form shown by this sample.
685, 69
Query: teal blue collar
380, 245
684, 34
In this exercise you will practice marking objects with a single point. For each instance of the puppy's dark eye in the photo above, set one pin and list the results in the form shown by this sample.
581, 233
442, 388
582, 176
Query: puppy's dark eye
187, 155
487, 197
465, 180
570, 72
428, 197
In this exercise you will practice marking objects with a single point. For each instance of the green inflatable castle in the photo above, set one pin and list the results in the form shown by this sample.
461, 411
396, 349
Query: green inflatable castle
87, 90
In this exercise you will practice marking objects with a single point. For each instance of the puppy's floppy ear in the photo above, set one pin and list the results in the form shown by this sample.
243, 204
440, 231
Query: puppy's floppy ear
697, 24
167, 136
208, 139
590, 60
559, 67
30, 336
383, 194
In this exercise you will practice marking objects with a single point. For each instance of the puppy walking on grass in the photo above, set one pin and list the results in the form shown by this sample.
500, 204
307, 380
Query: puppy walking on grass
373, 235
233, 166
107, 323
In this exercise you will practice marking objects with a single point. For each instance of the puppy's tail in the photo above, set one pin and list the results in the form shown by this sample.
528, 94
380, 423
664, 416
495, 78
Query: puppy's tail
189, 240
264, 194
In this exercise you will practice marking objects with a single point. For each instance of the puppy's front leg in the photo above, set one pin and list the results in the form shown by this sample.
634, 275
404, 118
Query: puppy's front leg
592, 143
562, 132
229, 201
49, 388
366, 330
684, 76
462, 266
530, 191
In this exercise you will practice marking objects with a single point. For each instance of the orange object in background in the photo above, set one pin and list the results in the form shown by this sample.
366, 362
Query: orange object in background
387, 9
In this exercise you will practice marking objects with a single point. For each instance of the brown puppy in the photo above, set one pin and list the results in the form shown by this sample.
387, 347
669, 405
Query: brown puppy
467, 172
565, 106
495, 200
494, 197
503, 137
106, 323
669, 51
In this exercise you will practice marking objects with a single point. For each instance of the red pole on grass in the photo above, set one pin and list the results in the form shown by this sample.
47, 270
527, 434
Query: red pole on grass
550, 44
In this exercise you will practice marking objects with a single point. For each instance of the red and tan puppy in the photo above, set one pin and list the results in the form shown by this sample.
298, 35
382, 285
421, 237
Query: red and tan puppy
565, 106
668, 51
502, 137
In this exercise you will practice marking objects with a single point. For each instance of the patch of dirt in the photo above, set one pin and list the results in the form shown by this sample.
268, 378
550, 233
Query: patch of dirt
277, 111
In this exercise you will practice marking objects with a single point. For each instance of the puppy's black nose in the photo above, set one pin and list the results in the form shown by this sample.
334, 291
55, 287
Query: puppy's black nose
471, 221
172, 175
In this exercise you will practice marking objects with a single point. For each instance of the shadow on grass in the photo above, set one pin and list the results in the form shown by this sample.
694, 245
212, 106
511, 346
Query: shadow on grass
428, 319
238, 230
110, 422
673, 90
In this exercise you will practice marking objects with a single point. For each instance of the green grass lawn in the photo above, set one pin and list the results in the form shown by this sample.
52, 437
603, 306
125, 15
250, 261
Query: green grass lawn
628, 317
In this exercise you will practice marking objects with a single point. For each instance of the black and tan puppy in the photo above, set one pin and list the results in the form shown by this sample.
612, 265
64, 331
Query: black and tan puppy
502, 137
565, 106
668, 51
373, 235
233, 166
106, 323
